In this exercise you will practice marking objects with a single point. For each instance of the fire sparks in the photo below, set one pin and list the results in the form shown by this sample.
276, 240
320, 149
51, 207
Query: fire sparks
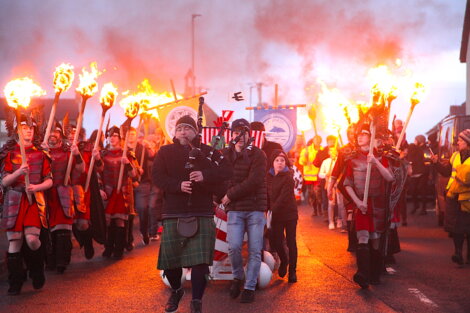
19, 92
418, 93
108, 95
88, 85
63, 77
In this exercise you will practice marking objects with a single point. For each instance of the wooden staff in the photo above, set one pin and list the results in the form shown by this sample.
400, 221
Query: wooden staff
174, 90
23, 154
146, 129
51, 118
95, 146
369, 165
402, 134
124, 154
75, 138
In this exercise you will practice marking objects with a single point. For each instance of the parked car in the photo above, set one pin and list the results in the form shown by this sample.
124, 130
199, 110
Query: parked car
449, 128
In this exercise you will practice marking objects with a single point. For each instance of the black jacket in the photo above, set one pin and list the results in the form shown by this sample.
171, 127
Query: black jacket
247, 188
281, 195
169, 172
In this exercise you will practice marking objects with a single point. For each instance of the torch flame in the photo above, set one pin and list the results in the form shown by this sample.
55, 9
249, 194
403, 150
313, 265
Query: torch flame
108, 95
88, 85
304, 123
19, 92
418, 93
131, 105
63, 77
332, 105
154, 99
383, 83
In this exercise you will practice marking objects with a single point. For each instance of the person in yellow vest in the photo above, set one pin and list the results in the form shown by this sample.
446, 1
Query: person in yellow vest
310, 171
457, 213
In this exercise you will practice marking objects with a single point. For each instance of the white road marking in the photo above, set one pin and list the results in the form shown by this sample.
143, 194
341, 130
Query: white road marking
422, 297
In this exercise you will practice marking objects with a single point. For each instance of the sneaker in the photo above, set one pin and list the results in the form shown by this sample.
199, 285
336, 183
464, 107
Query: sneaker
331, 226
172, 304
196, 306
339, 224
154, 238
248, 296
235, 288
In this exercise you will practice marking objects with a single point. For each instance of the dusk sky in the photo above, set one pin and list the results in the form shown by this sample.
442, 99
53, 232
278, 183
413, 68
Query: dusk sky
292, 43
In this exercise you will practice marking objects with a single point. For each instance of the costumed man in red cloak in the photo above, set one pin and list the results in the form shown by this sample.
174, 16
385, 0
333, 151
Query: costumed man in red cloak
60, 198
117, 202
370, 218
21, 219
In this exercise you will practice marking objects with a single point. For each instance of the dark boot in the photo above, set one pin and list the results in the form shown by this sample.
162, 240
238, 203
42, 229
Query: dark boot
196, 306
109, 244
376, 265
458, 244
352, 239
50, 252
363, 265
16, 273
35, 264
63, 249
292, 275
86, 238
119, 242
130, 233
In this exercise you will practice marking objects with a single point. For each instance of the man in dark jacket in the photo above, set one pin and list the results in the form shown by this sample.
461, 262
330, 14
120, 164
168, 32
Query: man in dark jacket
246, 202
187, 179
419, 176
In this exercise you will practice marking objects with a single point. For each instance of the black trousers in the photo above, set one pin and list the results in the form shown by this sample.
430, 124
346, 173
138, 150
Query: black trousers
417, 190
290, 228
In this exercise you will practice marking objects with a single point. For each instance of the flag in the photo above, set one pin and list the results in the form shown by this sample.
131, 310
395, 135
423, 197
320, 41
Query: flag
209, 132
170, 113
280, 125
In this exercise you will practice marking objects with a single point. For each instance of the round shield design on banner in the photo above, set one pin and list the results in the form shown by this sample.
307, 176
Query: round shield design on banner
174, 115
279, 129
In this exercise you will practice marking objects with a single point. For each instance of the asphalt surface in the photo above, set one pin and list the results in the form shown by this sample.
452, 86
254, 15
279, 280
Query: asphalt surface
423, 280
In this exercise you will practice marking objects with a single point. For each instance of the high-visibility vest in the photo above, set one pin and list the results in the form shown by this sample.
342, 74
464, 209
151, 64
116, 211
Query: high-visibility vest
455, 161
307, 156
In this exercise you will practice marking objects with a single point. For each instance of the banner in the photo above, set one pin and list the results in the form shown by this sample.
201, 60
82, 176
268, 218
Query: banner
170, 113
280, 125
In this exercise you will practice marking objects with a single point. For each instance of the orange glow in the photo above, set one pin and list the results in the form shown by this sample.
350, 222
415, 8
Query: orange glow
108, 95
152, 99
304, 123
88, 85
63, 77
19, 92
333, 105
130, 104
383, 83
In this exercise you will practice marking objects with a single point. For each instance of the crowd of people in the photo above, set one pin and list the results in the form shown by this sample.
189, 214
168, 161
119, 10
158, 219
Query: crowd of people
173, 188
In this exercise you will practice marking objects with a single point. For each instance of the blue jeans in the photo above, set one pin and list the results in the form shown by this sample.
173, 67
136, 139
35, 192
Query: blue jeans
238, 223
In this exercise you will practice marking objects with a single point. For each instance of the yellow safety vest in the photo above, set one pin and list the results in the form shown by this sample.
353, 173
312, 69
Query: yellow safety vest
455, 161
307, 156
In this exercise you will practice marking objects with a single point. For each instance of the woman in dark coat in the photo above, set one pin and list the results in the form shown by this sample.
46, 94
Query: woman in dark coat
283, 206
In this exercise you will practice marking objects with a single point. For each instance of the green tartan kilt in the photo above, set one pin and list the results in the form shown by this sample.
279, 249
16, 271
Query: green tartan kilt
197, 250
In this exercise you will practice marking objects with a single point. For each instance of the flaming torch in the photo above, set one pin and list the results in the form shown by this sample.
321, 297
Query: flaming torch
107, 98
415, 99
63, 78
131, 106
18, 93
87, 88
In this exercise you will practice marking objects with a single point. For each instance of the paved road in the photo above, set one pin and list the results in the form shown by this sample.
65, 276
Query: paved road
424, 280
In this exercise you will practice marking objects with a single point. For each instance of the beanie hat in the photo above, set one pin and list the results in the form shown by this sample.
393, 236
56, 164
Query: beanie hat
240, 123
187, 120
465, 135
278, 153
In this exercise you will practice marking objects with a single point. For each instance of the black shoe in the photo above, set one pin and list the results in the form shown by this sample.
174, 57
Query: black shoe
107, 252
282, 271
35, 264
130, 246
172, 304
196, 306
248, 296
292, 277
457, 258
89, 251
235, 288
145, 239
361, 280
